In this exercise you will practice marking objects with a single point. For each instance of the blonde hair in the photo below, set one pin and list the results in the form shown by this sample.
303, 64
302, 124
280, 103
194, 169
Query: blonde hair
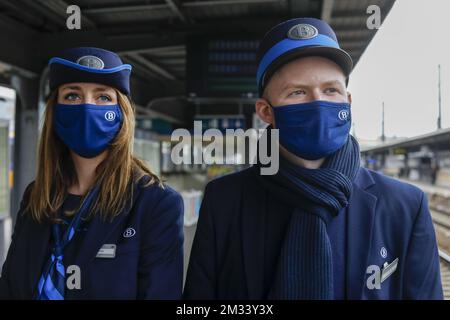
115, 175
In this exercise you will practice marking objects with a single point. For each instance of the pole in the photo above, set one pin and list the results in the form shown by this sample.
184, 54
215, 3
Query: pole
383, 137
439, 98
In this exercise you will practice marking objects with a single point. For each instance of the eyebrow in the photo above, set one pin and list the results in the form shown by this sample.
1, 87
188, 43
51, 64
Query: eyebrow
290, 85
97, 89
332, 82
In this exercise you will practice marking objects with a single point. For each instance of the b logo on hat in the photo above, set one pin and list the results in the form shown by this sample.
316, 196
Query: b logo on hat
91, 62
302, 31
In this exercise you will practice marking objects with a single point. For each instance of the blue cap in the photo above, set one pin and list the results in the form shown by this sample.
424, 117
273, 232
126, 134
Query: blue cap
88, 64
296, 38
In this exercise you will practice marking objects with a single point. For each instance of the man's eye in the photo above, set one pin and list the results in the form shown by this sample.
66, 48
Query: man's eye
71, 96
297, 92
104, 98
331, 90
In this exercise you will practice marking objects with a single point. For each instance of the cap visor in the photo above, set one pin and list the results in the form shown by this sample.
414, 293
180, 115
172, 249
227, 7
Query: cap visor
339, 56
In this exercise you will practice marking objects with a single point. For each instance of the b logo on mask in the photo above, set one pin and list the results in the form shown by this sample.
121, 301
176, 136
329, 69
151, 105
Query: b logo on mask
110, 115
343, 115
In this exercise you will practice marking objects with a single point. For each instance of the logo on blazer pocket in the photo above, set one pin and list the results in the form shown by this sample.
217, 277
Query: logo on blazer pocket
378, 275
129, 232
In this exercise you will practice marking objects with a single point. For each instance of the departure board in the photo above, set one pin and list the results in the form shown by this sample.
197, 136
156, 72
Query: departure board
221, 67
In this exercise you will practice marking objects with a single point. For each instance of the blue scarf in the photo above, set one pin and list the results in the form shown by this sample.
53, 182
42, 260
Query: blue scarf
52, 282
305, 268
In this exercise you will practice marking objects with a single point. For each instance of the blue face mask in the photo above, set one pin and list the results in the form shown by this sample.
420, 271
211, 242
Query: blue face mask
313, 130
87, 129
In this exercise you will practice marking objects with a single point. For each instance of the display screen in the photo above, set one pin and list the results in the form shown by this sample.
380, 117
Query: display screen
221, 67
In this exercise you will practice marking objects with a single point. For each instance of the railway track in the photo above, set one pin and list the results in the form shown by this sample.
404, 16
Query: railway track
440, 213
439, 204
445, 274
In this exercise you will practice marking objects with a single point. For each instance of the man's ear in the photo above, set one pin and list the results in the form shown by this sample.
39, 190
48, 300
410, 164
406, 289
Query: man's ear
349, 97
264, 111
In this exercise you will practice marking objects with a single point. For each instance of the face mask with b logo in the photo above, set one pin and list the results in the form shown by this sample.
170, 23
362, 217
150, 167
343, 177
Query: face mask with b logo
313, 130
87, 129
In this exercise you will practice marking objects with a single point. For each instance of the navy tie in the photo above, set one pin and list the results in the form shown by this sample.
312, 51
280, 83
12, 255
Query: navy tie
52, 282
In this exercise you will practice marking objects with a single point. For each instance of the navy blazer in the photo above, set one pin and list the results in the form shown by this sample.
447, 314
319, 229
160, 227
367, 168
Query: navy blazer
387, 219
148, 265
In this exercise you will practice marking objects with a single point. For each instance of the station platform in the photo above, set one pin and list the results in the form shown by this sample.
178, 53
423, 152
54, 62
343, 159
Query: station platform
430, 189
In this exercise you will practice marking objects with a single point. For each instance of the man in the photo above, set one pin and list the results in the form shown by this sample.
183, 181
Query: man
322, 227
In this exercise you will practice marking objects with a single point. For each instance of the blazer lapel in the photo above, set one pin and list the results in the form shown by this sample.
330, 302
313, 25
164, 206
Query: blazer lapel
39, 241
253, 204
361, 213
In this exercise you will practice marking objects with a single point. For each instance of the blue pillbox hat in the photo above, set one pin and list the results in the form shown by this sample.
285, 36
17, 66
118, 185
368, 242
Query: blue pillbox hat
89, 64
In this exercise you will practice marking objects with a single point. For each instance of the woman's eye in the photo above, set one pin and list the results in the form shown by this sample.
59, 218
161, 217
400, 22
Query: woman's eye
104, 98
331, 90
71, 96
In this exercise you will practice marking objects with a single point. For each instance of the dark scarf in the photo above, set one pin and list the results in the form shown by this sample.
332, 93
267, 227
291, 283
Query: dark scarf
305, 269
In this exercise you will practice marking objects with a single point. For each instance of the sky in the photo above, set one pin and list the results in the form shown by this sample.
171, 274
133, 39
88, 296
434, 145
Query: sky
400, 67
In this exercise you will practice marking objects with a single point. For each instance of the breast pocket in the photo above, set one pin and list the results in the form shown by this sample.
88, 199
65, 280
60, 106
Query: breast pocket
113, 251
382, 282
115, 277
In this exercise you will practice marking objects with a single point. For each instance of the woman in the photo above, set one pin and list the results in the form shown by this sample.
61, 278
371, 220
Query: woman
96, 223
